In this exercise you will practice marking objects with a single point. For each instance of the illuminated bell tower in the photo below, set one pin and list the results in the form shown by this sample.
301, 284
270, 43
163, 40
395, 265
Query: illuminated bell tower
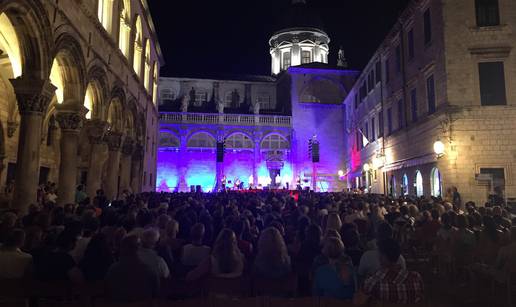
300, 40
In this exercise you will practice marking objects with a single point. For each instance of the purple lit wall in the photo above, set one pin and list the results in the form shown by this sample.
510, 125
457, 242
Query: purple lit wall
168, 170
238, 164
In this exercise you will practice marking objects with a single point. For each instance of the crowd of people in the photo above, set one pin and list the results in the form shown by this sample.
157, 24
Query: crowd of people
347, 246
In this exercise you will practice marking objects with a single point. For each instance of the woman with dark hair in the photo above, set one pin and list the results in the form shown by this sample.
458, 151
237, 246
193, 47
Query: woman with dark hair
225, 261
97, 259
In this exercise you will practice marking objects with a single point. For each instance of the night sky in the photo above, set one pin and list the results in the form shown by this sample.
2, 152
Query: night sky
231, 36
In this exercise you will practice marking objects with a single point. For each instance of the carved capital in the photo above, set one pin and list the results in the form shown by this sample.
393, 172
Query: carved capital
128, 147
11, 128
96, 130
33, 95
113, 140
70, 116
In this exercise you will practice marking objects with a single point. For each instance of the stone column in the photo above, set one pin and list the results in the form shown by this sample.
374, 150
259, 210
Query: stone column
70, 117
182, 185
33, 97
114, 142
96, 130
126, 164
136, 168
257, 155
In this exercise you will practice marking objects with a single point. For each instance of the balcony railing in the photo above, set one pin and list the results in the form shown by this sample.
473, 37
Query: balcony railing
225, 119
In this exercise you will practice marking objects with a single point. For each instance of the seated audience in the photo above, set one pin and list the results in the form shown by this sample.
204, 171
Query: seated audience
14, 264
130, 279
149, 256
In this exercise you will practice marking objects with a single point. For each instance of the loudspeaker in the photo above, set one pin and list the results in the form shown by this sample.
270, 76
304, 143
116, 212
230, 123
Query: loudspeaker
220, 152
198, 189
192, 189
315, 153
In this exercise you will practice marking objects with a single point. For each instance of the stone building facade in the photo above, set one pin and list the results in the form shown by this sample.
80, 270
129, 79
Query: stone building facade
266, 122
78, 93
435, 106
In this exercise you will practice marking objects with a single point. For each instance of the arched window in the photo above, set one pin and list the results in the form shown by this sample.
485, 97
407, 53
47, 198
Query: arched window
147, 62
202, 140
239, 141
155, 84
418, 184
168, 140
275, 141
105, 13
138, 47
404, 185
286, 60
436, 183
125, 27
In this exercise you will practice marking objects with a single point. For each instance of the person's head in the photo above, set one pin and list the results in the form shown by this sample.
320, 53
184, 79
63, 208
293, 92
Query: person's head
172, 229
129, 247
271, 244
333, 221
149, 238
163, 221
313, 235
383, 232
90, 225
333, 248
66, 241
435, 214
15, 239
225, 250
389, 251
197, 233
351, 238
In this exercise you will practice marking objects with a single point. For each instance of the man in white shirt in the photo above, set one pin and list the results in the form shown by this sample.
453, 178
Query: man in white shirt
14, 264
148, 254
195, 252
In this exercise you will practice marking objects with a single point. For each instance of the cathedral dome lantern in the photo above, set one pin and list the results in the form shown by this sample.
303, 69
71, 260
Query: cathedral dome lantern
300, 40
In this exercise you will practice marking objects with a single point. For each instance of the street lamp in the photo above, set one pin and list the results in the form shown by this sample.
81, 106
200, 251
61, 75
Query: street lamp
439, 148
367, 167
340, 173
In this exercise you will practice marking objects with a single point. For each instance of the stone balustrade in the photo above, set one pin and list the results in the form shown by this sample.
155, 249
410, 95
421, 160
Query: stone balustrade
225, 119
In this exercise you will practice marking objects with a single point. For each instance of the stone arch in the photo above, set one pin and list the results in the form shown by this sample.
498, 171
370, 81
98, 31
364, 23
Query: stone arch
323, 90
115, 109
274, 138
34, 33
168, 138
239, 140
201, 139
70, 58
130, 119
97, 79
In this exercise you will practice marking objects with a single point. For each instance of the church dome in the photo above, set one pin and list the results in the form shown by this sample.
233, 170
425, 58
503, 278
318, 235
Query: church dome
300, 40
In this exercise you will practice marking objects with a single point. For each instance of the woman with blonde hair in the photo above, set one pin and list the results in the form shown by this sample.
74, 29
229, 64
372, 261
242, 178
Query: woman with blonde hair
226, 260
272, 260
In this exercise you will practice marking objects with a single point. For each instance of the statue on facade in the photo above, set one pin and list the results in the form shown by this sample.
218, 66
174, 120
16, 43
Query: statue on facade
184, 104
235, 99
220, 107
342, 62
256, 108
192, 95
